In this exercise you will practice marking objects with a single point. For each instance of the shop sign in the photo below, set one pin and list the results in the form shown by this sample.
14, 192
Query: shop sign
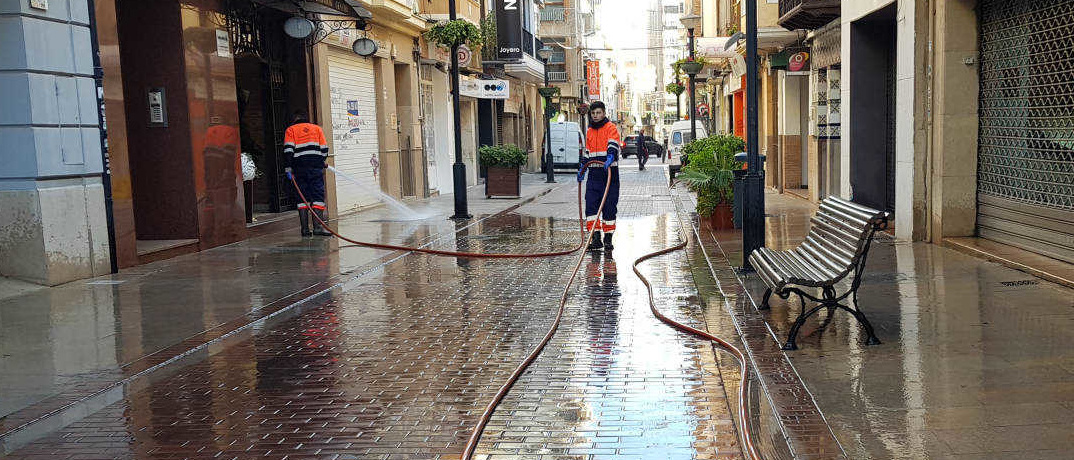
796, 60
485, 89
592, 79
509, 29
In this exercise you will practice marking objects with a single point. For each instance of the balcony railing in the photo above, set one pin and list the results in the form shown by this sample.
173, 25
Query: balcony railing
807, 14
558, 77
553, 14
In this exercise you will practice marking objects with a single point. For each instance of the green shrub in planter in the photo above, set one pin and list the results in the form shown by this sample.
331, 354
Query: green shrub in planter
503, 156
710, 171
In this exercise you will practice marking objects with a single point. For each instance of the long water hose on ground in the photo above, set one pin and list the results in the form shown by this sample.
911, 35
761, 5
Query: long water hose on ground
486, 416
469, 255
743, 387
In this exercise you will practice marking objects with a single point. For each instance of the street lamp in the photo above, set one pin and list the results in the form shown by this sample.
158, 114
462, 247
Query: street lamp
753, 199
545, 53
459, 168
691, 22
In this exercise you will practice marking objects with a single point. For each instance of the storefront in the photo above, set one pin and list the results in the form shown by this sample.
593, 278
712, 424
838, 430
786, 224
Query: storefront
1025, 160
179, 122
354, 142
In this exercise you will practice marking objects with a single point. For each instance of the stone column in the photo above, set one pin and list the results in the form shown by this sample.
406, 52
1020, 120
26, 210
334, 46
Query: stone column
53, 227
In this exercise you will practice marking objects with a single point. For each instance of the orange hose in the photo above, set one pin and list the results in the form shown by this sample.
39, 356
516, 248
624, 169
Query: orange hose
469, 255
486, 416
743, 388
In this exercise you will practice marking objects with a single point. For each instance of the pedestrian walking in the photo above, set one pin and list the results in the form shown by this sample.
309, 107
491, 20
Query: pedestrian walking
602, 143
643, 151
305, 150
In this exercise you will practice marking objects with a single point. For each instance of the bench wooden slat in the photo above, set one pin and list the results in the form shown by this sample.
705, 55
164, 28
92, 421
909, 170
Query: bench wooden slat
820, 263
836, 235
872, 215
839, 255
853, 211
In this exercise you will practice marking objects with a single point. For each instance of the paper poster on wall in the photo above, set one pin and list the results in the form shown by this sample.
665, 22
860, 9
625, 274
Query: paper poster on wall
223, 44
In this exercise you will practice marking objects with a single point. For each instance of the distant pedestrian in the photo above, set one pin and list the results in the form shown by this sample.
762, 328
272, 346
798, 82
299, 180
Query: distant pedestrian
603, 143
306, 151
643, 151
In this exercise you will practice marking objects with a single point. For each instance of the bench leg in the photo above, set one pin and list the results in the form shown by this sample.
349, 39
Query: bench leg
790, 345
764, 301
871, 336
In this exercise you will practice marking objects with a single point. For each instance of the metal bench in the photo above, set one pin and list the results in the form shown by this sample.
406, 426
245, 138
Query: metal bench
836, 246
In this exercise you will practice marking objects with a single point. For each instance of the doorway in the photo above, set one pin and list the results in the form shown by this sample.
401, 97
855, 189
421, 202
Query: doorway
271, 85
872, 136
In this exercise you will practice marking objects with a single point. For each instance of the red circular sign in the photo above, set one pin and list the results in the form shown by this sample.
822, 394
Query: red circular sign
798, 61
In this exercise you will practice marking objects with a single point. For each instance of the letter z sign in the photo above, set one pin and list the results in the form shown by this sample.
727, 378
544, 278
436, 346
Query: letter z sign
509, 30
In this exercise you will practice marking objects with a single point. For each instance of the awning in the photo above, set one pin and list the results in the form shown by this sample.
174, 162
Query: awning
713, 47
329, 7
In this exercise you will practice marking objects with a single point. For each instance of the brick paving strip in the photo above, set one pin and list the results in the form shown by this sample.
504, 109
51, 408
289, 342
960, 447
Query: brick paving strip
96, 391
399, 364
733, 312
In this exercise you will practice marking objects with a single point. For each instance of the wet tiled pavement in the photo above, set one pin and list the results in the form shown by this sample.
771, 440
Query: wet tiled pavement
75, 343
400, 361
975, 362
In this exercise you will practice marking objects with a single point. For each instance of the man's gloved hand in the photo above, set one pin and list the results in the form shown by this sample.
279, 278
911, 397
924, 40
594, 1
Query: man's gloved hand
289, 173
608, 161
581, 171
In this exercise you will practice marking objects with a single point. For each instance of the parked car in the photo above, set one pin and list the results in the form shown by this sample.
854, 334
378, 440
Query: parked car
680, 135
630, 147
567, 145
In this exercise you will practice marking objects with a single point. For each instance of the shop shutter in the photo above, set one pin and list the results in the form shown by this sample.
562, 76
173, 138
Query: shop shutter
1025, 173
354, 127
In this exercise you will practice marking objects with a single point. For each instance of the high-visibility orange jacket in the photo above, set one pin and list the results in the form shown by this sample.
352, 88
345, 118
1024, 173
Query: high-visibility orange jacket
603, 142
304, 146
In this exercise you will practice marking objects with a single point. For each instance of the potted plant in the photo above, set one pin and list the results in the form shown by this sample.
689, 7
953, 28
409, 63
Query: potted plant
504, 163
675, 88
710, 174
455, 32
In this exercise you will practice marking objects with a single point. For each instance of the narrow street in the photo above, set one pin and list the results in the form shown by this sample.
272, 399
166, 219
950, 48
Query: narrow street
403, 360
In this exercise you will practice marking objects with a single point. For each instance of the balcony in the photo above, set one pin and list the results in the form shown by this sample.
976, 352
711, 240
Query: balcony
558, 77
553, 14
807, 14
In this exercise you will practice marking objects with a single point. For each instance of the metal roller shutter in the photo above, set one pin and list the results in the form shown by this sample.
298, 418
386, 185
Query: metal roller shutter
354, 127
1025, 175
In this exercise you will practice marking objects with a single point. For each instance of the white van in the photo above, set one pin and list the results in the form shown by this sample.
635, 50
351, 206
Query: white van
567, 144
678, 136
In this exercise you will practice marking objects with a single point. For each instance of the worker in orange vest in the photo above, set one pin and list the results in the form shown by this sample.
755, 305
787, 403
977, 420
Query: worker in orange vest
603, 143
305, 150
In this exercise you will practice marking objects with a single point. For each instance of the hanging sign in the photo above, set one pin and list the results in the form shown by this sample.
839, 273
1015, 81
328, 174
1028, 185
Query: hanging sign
485, 89
703, 110
592, 79
465, 55
509, 29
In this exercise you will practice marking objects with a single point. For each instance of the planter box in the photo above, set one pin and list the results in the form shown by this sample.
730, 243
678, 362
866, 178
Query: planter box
503, 182
721, 219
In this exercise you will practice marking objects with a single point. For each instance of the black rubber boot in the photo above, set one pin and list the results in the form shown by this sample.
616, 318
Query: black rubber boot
608, 242
304, 217
595, 244
317, 228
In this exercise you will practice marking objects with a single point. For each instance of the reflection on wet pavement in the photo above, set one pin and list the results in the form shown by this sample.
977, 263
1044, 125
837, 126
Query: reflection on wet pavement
400, 363
975, 363
62, 345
